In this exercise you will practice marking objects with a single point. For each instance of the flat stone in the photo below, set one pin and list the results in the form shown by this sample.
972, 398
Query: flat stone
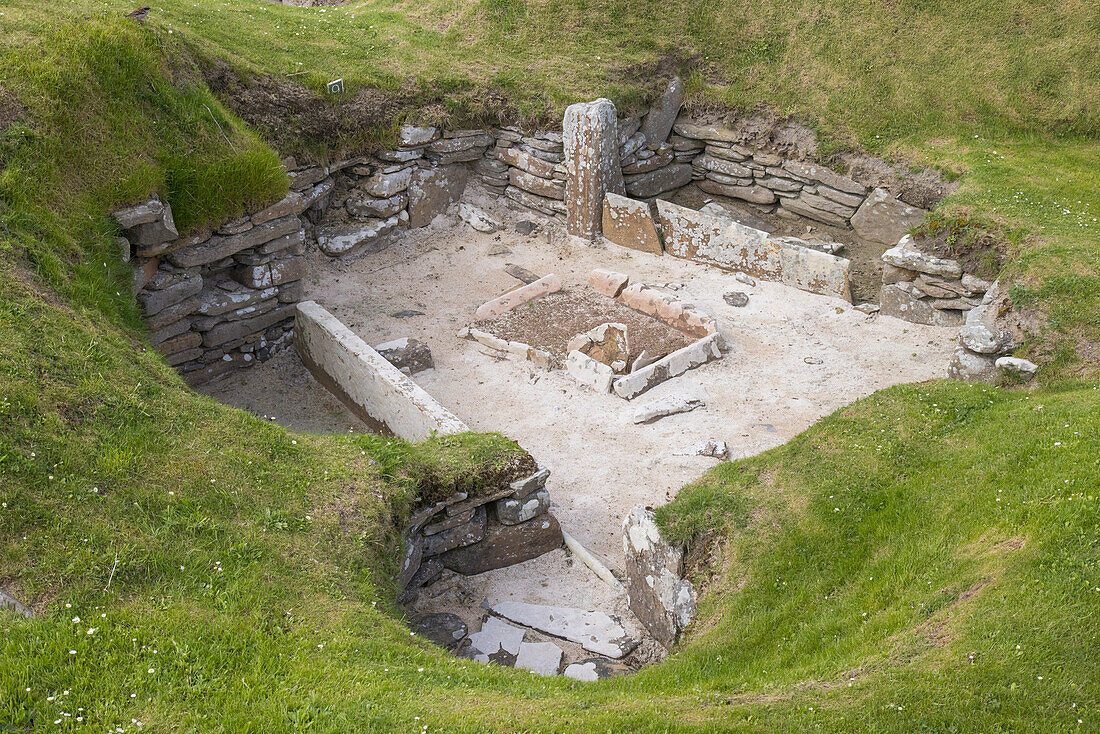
661, 181
595, 631
827, 176
341, 239
530, 183
412, 135
543, 286
407, 354
801, 207
711, 447
665, 406
443, 629
144, 213
550, 207
590, 372
218, 248
302, 179
387, 185
662, 114
658, 159
184, 287
458, 145
363, 207
448, 522
432, 190
521, 159
232, 330
628, 223
524, 487
660, 598
606, 343
672, 365
477, 218
459, 536
1018, 366
906, 255
498, 641
688, 129
512, 511
271, 274
737, 299
884, 219
400, 156
156, 232
608, 282
543, 658
896, 301
506, 545
970, 367
980, 333
594, 669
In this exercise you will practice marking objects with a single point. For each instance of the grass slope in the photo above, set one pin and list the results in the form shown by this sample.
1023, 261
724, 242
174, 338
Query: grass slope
927, 558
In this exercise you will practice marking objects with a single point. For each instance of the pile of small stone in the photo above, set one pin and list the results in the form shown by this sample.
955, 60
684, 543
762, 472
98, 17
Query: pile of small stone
926, 289
471, 535
530, 169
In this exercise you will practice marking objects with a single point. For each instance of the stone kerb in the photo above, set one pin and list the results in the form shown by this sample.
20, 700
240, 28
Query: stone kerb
369, 385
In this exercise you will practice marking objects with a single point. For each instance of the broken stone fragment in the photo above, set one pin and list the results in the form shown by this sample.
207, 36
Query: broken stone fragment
660, 598
506, 545
459, 536
606, 343
594, 669
543, 658
906, 255
736, 299
497, 642
512, 511
590, 372
883, 219
970, 367
543, 286
432, 190
477, 219
608, 282
665, 406
595, 631
662, 115
628, 223
364, 207
1017, 366
406, 353
339, 240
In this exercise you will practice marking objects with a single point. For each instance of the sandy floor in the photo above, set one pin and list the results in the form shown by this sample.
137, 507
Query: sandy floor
768, 388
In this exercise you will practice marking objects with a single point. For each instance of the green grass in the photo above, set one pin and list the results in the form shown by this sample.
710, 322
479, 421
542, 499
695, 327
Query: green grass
926, 559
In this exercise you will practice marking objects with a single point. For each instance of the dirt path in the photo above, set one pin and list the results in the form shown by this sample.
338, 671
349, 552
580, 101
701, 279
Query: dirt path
768, 388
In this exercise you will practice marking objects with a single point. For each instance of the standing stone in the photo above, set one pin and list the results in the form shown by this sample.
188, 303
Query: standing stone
662, 115
628, 223
432, 190
591, 133
661, 600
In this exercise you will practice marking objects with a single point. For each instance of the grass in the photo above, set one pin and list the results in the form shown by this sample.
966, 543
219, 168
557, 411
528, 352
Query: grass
925, 559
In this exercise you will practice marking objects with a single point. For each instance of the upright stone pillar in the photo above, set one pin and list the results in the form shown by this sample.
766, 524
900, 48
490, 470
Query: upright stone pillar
591, 132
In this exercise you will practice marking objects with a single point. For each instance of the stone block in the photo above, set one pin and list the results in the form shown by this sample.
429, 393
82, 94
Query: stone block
218, 248
372, 387
518, 158
271, 274
590, 372
591, 156
827, 176
660, 598
182, 288
814, 271
232, 330
506, 545
663, 157
751, 193
719, 241
543, 658
628, 223
607, 282
606, 343
885, 220
665, 406
432, 190
906, 255
364, 207
544, 187
412, 135
970, 367
458, 536
543, 286
662, 114
660, 181
698, 353
512, 511
1017, 366
387, 185
688, 129
550, 207
144, 213
341, 239
896, 301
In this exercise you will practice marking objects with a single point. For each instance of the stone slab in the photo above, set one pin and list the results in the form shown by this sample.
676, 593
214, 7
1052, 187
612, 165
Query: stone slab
432, 190
365, 381
506, 545
543, 658
660, 598
628, 223
672, 365
665, 406
513, 299
595, 631
608, 282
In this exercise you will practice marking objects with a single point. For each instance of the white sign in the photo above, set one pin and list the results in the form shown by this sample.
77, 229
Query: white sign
336, 86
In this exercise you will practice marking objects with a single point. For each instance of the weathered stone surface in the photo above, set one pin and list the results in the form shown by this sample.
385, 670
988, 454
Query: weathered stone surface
628, 223
218, 248
271, 274
180, 343
543, 286
387, 185
718, 241
363, 207
752, 194
590, 372
608, 282
449, 521
980, 333
594, 669
506, 545
171, 315
445, 630
595, 631
591, 150
545, 187
799, 207
663, 180
662, 115
432, 190
815, 271
372, 387
665, 406
341, 239
543, 658
184, 287
524, 487
724, 166
512, 511
737, 299
7, 601
412, 135
606, 343
457, 145
459, 536
169, 331
971, 367
827, 176
144, 213
303, 178
883, 219
896, 301
497, 641
668, 309
292, 242
477, 218
660, 598
551, 207
672, 365
408, 354
292, 203
524, 161
206, 323
906, 255
661, 158
892, 275
232, 330
689, 129
1018, 366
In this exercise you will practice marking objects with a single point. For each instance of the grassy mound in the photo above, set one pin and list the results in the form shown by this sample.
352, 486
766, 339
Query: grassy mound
927, 558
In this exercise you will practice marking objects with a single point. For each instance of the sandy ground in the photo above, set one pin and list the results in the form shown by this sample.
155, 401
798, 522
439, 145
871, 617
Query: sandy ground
764, 391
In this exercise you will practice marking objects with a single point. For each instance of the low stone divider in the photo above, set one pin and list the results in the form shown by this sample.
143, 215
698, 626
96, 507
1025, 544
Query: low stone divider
370, 386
